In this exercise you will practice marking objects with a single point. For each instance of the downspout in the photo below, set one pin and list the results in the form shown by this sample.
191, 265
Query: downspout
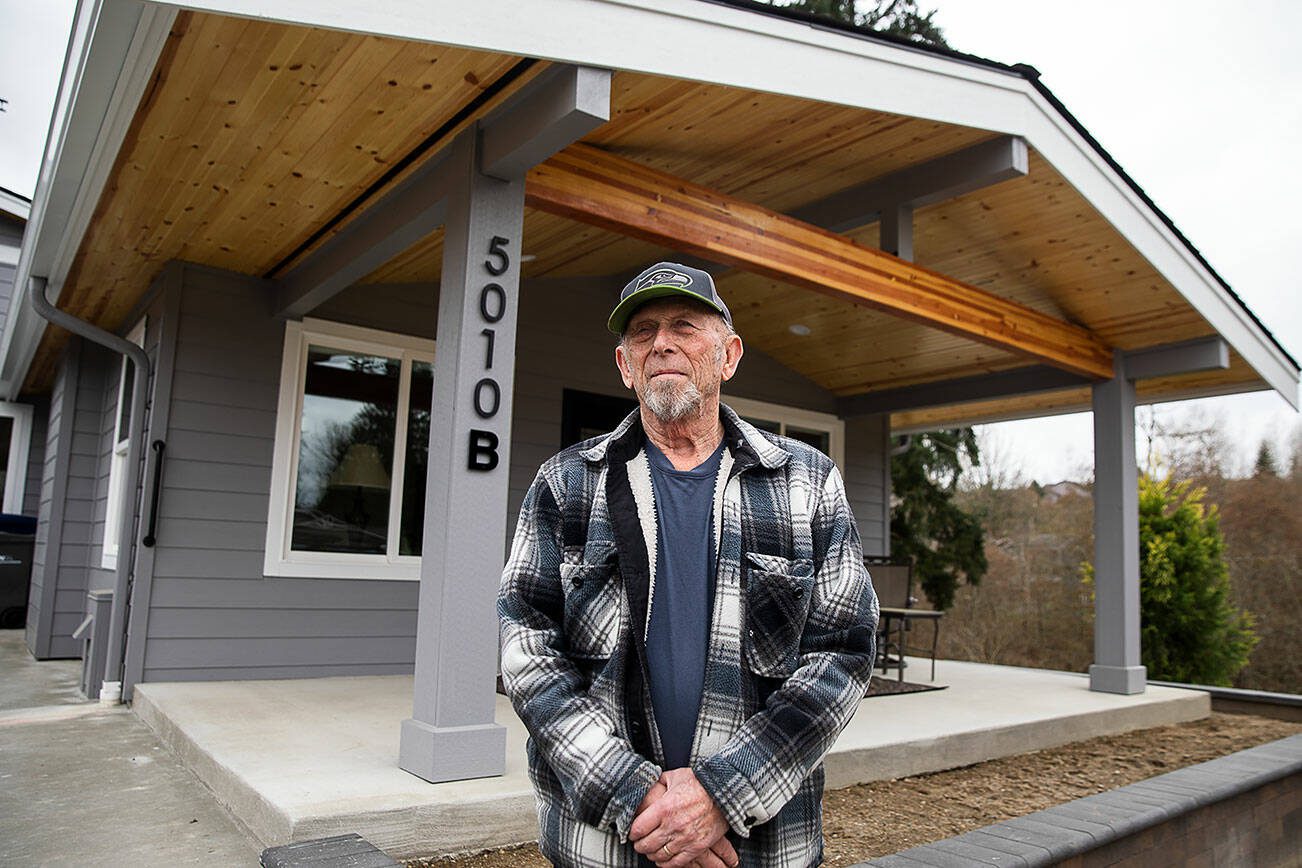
117, 647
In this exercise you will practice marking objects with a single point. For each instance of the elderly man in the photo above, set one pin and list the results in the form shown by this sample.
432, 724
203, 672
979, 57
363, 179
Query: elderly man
687, 624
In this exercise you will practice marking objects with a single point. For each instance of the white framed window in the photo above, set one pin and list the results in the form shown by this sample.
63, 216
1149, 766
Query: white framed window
118, 460
349, 465
15, 441
823, 431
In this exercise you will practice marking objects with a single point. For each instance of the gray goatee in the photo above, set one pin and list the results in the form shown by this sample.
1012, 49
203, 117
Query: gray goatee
670, 402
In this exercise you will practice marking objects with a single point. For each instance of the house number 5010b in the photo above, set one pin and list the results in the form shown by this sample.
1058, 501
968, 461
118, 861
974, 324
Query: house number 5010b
487, 398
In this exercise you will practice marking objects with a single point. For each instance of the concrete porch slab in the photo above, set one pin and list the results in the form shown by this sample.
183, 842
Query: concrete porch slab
296, 760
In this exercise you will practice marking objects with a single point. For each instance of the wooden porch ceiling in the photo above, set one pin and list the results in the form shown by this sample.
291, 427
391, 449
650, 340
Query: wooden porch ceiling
255, 137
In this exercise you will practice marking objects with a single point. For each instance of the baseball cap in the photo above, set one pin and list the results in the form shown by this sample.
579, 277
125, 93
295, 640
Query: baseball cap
663, 280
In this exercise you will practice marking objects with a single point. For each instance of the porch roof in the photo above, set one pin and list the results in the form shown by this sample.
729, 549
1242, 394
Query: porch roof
254, 141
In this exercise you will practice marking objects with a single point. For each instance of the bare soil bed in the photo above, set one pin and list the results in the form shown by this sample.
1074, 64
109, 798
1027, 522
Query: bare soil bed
871, 820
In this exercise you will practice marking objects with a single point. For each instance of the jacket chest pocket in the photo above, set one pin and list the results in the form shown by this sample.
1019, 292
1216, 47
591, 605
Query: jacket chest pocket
778, 592
592, 608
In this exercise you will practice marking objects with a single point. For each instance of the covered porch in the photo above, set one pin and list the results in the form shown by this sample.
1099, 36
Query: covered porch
907, 240
306, 759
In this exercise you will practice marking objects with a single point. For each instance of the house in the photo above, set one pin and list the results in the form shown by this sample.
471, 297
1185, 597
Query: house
22, 438
287, 250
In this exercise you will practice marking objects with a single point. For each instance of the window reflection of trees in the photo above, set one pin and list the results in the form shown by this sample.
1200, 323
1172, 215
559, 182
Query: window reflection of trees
346, 448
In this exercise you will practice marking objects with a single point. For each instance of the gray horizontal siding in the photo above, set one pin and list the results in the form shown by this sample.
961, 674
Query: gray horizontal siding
244, 673
65, 519
280, 594
212, 614
209, 476
225, 391
217, 419
73, 493
35, 470
282, 623
248, 536
250, 450
7, 273
867, 479
408, 308
280, 650
37, 634
219, 506
63, 646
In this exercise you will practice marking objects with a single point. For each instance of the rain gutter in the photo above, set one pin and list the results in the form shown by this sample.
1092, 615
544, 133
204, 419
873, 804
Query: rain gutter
117, 646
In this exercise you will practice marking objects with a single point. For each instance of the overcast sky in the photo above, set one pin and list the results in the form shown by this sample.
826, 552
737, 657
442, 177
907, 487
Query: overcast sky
1201, 103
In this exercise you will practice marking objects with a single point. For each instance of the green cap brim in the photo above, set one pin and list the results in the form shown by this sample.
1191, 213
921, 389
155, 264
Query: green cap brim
620, 315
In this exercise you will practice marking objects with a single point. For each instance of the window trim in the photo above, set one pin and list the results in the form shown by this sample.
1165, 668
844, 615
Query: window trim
786, 415
19, 452
121, 447
278, 558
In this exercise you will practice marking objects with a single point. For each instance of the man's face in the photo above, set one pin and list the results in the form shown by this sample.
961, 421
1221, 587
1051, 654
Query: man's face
675, 354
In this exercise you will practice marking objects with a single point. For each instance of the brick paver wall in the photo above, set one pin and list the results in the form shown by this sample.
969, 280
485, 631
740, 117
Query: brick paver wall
1239, 810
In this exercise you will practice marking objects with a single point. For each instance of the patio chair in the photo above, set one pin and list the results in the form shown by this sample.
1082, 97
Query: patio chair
893, 582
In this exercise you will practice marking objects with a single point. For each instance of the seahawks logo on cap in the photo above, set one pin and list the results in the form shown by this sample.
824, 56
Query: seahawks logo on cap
663, 277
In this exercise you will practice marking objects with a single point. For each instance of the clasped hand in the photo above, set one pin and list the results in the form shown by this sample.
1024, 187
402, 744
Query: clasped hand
679, 825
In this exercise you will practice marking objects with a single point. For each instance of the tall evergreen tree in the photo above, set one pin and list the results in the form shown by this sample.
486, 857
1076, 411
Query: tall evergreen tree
895, 17
1265, 465
945, 544
1190, 630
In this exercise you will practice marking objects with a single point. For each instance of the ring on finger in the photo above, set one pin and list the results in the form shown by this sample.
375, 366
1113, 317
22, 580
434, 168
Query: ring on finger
665, 847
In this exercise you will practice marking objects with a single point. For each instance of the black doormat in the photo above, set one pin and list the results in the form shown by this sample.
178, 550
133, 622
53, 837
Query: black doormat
890, 687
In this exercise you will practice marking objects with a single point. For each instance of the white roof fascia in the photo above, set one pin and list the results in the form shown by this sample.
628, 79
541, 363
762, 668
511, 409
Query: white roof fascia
1082, 165
688, 39
111, 57
15, 205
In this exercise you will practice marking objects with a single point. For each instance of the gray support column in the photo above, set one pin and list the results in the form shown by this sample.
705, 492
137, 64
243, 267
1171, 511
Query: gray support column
1116, 667
452, 734
897, 231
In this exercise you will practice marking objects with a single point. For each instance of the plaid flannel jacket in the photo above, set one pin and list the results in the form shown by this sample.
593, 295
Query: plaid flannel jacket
790, 652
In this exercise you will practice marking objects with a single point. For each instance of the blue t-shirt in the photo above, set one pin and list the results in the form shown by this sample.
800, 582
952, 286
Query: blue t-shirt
678, 635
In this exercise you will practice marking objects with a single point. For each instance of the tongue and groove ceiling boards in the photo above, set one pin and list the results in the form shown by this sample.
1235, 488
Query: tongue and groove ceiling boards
257, 140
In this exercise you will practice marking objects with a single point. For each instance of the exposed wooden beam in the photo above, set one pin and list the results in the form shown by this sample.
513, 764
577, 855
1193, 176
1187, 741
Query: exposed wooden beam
1001, 384
926, 183
1185, 357
892, 198
591, 186
547, 114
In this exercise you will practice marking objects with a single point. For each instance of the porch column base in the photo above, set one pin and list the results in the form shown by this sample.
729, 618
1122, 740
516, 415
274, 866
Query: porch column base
452, 753
1126, 680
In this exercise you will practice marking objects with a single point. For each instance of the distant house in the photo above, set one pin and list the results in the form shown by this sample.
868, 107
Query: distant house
22, 424
1058, 490
368, 251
